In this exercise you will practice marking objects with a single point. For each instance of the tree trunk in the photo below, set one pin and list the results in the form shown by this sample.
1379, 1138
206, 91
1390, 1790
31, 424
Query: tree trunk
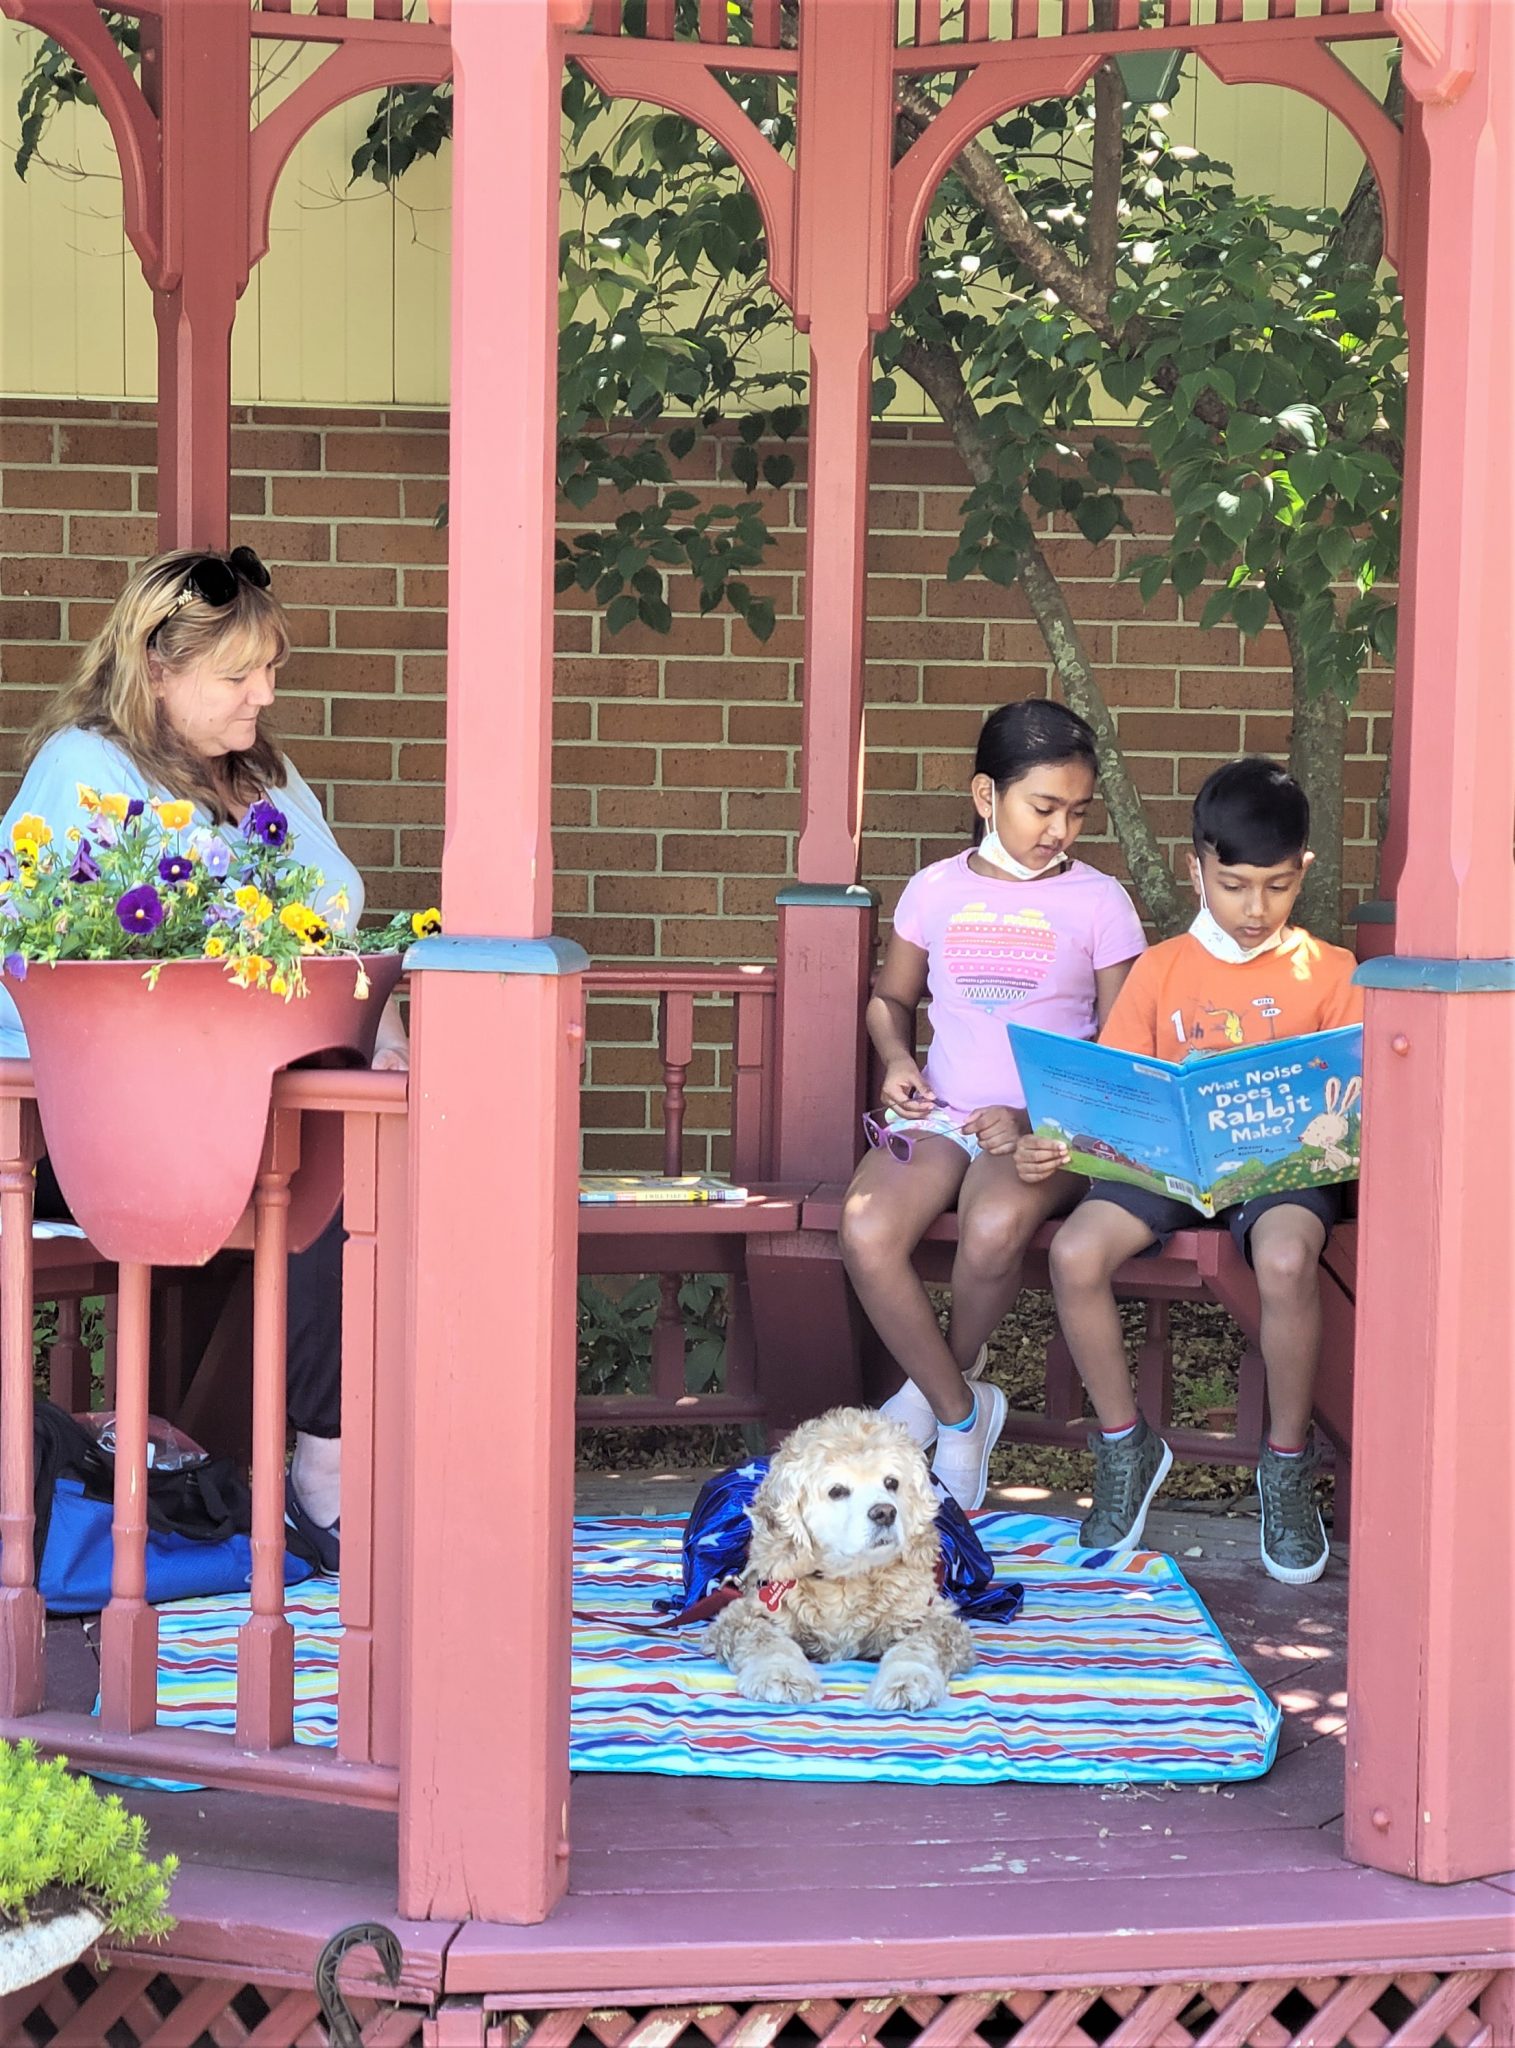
1317, 744
1144, 855
937, 371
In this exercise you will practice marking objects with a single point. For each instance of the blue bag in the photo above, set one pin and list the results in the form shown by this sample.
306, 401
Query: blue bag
718, 1533
198, 1515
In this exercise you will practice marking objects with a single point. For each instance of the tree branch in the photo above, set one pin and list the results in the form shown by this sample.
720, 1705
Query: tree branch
1105, 179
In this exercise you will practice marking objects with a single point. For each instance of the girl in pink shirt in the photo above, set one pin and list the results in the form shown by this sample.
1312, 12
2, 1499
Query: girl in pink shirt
1008, 928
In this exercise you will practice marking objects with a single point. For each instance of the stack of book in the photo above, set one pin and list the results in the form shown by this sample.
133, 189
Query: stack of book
657, 1187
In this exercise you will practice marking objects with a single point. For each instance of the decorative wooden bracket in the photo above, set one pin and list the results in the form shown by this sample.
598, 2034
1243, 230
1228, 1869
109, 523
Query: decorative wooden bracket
1441, 45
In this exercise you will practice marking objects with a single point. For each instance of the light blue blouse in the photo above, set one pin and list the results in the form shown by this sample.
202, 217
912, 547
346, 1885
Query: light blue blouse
50, 789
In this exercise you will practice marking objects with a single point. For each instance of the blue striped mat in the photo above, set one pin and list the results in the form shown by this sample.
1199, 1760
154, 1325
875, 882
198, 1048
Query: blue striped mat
1112, 1673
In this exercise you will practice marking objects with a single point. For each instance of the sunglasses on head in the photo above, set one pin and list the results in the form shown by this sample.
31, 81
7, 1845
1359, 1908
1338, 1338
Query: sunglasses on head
213, 579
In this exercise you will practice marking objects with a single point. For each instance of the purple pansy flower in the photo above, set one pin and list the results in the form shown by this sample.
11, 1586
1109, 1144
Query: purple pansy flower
214, 854
10, 867
15, 966
222, 913
84, 867
135, 808
104, 831
175, 867
267, 822
140, 910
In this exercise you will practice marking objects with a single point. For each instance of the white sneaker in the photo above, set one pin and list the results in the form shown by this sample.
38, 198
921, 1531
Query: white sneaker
911, 1408
961, 1463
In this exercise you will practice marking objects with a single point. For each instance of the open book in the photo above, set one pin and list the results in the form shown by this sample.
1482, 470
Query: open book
657, 1187
1212, 1132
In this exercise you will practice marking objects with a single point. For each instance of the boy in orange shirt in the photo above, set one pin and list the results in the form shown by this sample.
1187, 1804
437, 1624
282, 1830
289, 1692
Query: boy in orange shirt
1241, 975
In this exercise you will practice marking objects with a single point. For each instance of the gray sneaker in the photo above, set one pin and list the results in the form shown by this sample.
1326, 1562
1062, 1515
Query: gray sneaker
1293, 1542
1126, 1476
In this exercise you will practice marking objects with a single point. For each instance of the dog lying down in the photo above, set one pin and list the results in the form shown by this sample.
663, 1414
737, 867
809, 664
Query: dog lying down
843, 1565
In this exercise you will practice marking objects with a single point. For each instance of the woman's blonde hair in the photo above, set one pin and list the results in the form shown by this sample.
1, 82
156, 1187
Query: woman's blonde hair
112, 690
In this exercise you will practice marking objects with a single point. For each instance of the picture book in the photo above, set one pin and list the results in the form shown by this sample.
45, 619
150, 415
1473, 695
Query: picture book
1212, 1132
657, 1187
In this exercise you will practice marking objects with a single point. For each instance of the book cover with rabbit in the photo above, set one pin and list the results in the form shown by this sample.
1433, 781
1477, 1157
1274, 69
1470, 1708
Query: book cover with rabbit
1214, 1131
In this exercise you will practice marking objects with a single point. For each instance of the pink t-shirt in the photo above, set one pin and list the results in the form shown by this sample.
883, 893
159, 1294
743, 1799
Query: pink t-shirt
1004, 949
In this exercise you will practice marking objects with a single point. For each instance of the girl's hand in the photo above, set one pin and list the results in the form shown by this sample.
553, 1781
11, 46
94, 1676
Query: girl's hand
1039, 1158
997, 1129
905, 1089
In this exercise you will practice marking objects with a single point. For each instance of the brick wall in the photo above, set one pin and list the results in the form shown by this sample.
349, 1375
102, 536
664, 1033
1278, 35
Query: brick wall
675, 757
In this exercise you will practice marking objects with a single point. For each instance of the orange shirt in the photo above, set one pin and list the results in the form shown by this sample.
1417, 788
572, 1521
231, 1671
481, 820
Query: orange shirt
1178, 999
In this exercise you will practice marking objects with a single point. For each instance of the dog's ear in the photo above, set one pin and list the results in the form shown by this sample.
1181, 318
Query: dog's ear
781, 1544
917, 1504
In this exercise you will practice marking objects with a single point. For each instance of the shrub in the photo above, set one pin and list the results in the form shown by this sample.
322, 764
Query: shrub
64, 1844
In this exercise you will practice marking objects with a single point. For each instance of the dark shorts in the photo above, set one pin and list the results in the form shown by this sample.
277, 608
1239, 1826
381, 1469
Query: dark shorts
1163, 1215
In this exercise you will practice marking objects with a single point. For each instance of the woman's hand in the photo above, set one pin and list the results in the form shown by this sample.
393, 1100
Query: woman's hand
997, 1128
1039, 1158
391, 1053
905, 1089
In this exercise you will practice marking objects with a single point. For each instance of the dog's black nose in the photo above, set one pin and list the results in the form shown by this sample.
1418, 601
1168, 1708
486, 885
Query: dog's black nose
882, 1512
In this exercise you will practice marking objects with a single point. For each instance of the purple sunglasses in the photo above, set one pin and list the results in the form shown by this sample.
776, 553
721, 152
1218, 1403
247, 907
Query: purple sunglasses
895, 1139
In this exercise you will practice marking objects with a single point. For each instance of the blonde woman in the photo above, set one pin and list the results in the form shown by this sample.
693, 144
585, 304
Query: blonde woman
171, 700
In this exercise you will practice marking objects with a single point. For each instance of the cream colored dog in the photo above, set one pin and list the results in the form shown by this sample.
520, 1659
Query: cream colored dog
843, 1564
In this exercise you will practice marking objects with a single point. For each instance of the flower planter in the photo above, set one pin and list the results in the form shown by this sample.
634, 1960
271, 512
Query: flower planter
1221, 1419
39, 1949
154, 1101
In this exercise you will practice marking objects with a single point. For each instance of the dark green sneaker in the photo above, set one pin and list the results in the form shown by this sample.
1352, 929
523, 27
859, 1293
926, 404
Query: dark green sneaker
1294, 1545
1126, 1476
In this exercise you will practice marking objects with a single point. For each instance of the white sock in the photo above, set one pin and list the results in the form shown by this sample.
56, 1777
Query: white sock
317, 1473
1118, 1436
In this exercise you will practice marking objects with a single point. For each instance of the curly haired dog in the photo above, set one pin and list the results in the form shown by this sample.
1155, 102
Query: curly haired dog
843, 1564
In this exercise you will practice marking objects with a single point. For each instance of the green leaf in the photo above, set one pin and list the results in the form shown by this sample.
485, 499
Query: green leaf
778, 470
1251, 609
1236, 513
581, 489
1189, 571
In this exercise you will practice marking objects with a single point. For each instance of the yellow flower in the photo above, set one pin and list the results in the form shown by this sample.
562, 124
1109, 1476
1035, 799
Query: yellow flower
214, 948
114, 807
296, 917
253, 904
73, 834
173, 817
251, 968
426, 923
30, 833
191, 888
89, 799
278, 986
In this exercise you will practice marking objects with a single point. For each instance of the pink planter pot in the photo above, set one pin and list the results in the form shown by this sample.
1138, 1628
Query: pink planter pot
154, 1101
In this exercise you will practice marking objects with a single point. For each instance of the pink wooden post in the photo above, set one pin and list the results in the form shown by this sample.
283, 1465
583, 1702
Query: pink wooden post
196, 71
129, 1627
484, 1784
846, 92
1431, 1777
21, 1656
266, 1642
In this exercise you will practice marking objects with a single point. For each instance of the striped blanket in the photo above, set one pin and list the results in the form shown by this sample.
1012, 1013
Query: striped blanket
1113, 1673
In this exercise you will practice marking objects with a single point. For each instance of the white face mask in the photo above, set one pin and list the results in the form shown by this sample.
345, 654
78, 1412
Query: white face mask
991, 849
1219, 944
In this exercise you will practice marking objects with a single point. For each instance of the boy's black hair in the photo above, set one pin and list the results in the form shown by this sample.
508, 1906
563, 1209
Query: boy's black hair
1030, 734
1251, 814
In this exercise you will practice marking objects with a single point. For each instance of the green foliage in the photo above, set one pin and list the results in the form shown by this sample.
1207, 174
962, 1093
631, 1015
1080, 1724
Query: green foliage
615, 1335
62, 1842
92, 1335
55, 80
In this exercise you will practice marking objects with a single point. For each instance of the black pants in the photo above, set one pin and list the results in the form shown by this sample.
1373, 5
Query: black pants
313, 1327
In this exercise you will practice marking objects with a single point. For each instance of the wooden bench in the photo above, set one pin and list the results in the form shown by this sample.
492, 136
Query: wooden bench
796, 1340
697, 1237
